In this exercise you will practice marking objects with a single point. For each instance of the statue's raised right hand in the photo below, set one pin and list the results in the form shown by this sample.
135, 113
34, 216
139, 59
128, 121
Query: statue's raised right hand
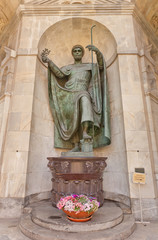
44, 55
45, 59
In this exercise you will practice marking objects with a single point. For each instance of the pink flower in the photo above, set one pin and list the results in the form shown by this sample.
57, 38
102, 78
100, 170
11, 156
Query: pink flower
78, 203
75, 195
60, 205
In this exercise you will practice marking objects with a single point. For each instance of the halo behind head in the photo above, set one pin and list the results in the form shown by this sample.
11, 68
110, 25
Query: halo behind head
78, 46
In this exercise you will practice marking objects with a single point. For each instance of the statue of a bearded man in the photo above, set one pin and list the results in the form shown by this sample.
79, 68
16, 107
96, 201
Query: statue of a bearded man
79, 101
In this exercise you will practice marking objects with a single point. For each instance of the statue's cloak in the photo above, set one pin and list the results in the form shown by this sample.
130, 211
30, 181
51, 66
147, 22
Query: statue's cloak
65, 107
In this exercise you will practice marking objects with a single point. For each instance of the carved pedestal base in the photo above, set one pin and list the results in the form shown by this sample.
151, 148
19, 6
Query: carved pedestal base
77, 175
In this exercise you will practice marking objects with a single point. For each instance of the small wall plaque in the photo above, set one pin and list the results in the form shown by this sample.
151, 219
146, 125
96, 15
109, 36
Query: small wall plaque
139, 178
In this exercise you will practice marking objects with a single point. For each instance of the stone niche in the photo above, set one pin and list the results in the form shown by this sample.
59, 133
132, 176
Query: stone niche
60, 38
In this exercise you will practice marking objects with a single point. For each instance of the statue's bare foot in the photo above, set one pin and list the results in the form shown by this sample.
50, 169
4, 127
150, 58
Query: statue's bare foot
75, 149
86, 136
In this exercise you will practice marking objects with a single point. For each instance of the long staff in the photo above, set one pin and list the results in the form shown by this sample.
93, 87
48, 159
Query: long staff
92, 65
92, 43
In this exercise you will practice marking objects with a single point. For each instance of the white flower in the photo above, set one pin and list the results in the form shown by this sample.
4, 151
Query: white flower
69, 206
87, 207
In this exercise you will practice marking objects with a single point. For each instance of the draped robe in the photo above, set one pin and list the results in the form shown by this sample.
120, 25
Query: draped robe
80, 83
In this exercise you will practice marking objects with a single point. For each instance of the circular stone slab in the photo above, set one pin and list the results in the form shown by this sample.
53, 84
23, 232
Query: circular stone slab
108, 216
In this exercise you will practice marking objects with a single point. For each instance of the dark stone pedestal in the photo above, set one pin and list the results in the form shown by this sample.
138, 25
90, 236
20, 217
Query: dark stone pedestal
77, 175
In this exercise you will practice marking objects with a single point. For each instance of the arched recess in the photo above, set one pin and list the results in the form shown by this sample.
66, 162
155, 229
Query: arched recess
60, 38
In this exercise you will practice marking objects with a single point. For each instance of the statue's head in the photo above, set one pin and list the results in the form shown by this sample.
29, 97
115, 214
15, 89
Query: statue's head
77, 52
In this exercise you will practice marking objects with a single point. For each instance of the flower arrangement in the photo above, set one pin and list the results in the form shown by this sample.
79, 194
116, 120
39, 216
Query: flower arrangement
78, 203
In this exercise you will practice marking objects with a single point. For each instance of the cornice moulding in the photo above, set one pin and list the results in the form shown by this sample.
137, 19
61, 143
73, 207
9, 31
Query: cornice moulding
143, 53
90, 10
6, 94
27, 52
77, 9
70, 2
10, 53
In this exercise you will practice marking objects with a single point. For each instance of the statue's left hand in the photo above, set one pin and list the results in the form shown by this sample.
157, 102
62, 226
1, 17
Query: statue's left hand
92, 48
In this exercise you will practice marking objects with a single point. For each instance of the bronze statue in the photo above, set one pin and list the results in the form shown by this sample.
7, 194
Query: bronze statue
78, 100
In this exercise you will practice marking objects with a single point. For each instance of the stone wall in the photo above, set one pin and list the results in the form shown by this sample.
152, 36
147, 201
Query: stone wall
28, 127
41, 139
61, 54
1, 111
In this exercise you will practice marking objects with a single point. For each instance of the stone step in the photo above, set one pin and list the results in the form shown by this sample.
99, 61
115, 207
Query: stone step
36, 232
108, 216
